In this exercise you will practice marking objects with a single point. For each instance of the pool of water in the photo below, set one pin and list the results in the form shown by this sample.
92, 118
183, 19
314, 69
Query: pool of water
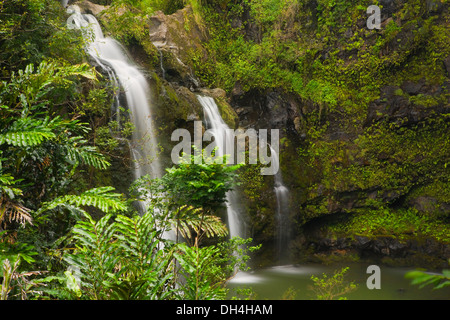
272, 283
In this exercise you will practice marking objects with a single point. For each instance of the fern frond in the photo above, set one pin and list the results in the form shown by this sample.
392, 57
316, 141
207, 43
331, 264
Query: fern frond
7, 183
25, 138
77, 151
26, 132
139, 238
190, 223
101, 198
11, 211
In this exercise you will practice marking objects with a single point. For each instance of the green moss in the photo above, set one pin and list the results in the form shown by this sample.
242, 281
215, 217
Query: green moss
227, 112
399, 224
129, 26
169, 107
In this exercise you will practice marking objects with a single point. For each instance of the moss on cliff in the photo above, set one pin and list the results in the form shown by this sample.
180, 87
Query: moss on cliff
365, 146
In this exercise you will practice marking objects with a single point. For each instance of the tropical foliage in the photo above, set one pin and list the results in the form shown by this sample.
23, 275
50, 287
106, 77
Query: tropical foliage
422, 279
66, 233
330, 287
80, 239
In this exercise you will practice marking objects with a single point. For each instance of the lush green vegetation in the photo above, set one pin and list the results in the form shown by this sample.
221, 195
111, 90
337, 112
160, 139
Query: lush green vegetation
423, 279
398, 224
66, 233
330, 287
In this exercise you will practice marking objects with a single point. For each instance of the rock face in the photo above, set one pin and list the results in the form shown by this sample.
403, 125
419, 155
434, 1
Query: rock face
176, 36
405, 102
267, 110
386, 250
395, 103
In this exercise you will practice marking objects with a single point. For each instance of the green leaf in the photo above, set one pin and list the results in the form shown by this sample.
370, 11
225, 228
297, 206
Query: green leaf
101, 198
72, 284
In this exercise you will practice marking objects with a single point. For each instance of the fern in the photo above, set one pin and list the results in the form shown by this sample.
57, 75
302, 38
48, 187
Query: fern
28, 132
146, 265
192, 223
423, 279
95, 257
12, 211
31, 86
119, 260
100, 198
78, 152
198, 267
9, 210
7, 183
25, 138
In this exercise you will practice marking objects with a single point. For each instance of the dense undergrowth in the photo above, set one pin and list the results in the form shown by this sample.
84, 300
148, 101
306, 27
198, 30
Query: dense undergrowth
57, 142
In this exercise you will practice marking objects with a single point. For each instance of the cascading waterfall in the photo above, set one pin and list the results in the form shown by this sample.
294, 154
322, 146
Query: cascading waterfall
224, 141
282, 214
111, 57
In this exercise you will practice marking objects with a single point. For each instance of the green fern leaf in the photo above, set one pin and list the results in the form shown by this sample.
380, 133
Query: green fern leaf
101, 198
26, 138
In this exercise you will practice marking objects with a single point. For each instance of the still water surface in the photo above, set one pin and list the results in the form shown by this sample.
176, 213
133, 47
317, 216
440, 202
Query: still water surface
272, 283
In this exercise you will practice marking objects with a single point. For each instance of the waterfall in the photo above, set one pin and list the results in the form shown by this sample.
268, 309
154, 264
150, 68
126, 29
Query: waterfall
112, 58
224, 139
163, 71
282, 213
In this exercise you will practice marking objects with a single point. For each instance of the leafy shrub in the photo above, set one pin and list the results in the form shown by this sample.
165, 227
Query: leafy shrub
331, 287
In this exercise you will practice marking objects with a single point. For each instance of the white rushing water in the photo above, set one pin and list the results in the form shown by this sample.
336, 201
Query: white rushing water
282, 214
224, 139
112, 58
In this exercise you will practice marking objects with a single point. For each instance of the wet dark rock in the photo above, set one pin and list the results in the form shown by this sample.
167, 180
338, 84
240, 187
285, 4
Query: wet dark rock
363, 242
424, 204
175, 42
447, 65
413, 88
412, 252
434, 6
394, 104
389, 8
267, 110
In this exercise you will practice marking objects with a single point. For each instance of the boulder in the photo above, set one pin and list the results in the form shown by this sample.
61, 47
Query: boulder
91, 8
177, 37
